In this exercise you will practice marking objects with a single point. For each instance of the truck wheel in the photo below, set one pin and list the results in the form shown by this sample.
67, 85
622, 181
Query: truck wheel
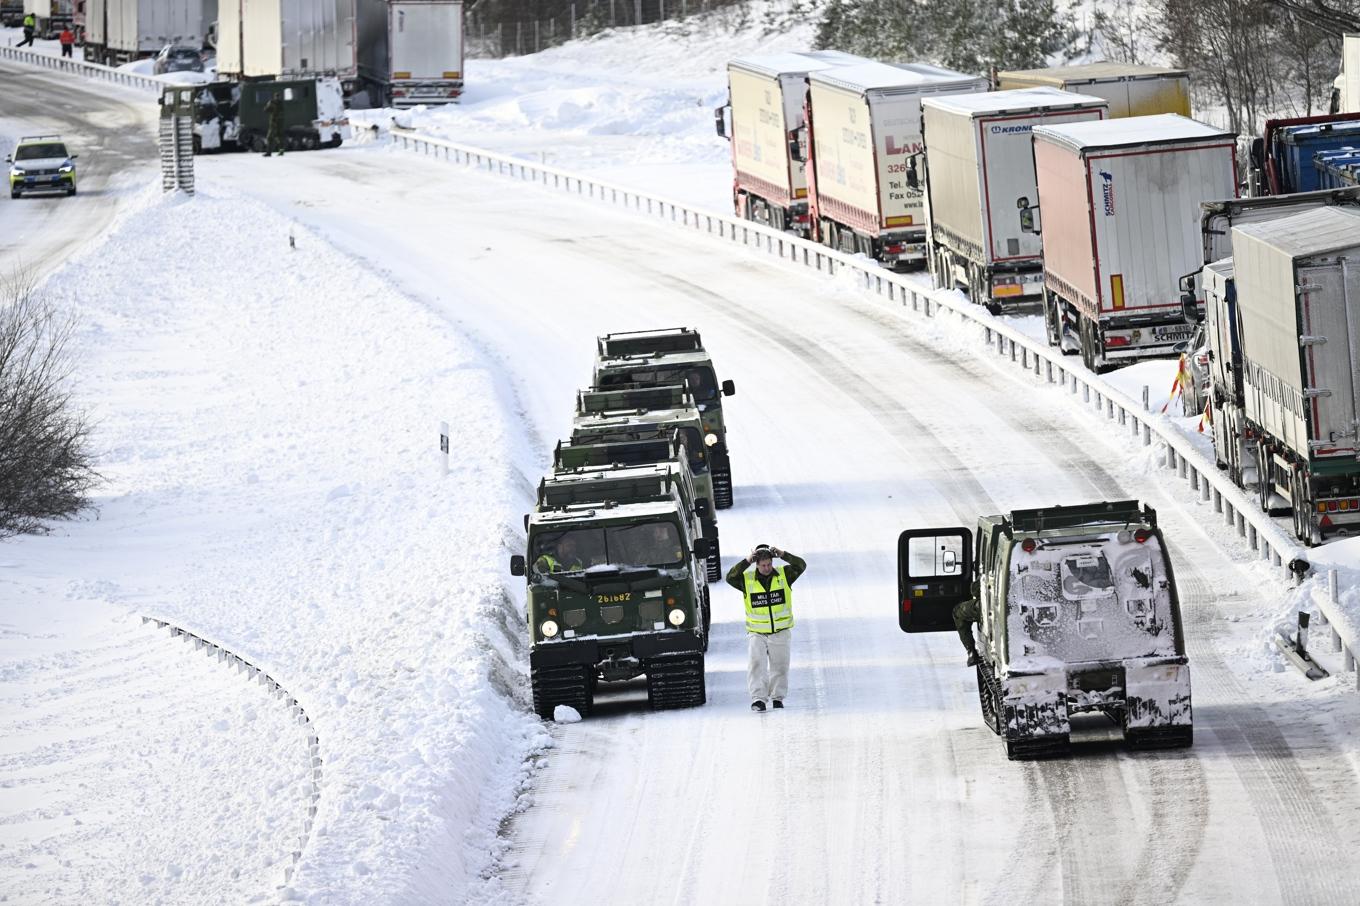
14, 193
1052, 320
1087, 345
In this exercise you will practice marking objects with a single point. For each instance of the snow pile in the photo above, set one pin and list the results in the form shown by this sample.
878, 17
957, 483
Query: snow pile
636, 103
267, 425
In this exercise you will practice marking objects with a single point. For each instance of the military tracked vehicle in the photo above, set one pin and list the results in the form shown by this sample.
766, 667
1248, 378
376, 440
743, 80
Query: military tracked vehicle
615, 591
645, 482
603, 410
673, 356
1079, 615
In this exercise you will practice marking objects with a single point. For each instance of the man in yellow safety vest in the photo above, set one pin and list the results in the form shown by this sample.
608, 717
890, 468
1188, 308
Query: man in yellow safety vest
769, 617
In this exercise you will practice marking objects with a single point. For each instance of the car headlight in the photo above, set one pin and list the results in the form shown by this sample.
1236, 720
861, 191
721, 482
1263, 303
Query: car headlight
676, 616
548, 628
66, 168
16, 171
710, 439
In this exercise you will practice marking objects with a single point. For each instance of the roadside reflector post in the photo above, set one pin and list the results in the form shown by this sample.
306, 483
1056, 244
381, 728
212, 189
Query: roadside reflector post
1145, 398
444, 448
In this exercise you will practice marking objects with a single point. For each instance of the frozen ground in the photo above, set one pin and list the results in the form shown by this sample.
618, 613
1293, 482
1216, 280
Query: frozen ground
267, 424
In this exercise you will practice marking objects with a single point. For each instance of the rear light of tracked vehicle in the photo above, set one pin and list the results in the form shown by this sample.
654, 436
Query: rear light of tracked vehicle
1028, 545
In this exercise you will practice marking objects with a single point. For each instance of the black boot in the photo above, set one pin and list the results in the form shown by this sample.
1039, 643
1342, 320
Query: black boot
973, 658
757, 705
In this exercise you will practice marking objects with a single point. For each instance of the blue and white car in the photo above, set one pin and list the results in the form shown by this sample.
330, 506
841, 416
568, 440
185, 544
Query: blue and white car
41, 163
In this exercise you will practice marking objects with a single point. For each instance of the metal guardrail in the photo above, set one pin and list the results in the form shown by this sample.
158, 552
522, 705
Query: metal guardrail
225, 655
1345, 639
80, 67
1235, 507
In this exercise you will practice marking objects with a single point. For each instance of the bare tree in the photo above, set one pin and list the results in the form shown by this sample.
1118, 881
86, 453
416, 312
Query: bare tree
45, 465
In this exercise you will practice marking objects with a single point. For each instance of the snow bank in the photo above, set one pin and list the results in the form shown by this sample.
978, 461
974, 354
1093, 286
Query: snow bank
268, 428
636, 103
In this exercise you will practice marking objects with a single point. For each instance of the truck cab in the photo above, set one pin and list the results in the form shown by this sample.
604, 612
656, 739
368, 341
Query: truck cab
614, 592
674, 356
1078, 616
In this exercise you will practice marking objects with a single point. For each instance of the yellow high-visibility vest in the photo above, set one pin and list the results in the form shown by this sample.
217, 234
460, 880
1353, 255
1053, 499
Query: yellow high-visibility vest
768, 611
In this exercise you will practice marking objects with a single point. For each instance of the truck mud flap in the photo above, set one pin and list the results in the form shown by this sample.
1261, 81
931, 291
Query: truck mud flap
1029, 748
582, 653
1172, 737
675, 682
662, 644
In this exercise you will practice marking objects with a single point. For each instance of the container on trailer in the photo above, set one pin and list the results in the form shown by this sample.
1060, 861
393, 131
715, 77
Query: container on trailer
978, 162
1298, 284
1120, 213
411, 51
1337, 169
864, 123
1130, 89
762, 116
290, 38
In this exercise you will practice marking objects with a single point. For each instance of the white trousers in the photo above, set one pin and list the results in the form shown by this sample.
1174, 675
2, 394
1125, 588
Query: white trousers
767, 669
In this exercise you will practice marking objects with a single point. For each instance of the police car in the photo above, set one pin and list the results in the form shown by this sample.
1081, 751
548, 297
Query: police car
40, 163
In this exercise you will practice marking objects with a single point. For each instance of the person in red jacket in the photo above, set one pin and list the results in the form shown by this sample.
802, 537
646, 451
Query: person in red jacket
68, 41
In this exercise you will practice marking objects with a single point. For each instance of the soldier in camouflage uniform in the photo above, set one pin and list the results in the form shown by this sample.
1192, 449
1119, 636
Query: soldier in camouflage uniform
966, 613
274, 138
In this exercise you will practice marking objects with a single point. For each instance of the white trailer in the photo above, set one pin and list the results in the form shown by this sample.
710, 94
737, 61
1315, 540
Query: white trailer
864, 123
411, 51
119, 31
762, 116
1346, 88
978, 162
1131, 89
1298, 303
270, 39
1119, 201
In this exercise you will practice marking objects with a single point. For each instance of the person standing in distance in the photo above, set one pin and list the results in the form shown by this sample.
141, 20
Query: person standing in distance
769, 619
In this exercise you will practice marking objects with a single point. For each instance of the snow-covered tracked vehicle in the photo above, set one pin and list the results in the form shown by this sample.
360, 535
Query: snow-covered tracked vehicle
1078, 615
674, 356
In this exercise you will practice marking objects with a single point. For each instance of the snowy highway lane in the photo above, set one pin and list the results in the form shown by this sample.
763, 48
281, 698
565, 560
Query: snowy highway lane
880, 782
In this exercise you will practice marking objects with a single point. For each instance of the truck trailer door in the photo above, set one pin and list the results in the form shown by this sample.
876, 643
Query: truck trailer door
934, 572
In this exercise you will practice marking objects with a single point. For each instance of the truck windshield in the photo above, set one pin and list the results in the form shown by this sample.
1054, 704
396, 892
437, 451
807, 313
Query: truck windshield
40, 151
1094, 598
700, 378
655, 543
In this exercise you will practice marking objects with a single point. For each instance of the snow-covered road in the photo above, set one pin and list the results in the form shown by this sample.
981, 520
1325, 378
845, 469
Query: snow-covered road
879, 783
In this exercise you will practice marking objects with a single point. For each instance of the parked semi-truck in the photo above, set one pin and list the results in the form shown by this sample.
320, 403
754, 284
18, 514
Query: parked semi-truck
411, 51
118, 31
290, 39
51, 15
763, 114
11, 13
1296, 281
1119, 208
1130, 89
1283, 159
863, 124
978, 160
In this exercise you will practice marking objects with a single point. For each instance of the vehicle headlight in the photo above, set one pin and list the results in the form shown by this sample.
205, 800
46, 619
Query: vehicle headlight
676, 616
66, 168
548, 628
16, 171
710, 439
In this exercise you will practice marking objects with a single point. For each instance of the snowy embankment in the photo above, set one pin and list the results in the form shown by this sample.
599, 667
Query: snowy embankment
633, 106
267, 423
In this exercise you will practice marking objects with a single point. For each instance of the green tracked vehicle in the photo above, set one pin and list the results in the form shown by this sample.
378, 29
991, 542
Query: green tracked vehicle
668, 357
641, 483
614, 592
600, 410
1078, 615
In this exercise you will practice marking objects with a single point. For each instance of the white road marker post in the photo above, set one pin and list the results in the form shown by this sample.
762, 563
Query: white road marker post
444, 447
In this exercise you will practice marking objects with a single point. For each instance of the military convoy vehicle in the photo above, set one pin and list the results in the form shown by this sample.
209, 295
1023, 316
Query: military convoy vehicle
615, 591
620, 483
674, 356
232, 116
1079, 615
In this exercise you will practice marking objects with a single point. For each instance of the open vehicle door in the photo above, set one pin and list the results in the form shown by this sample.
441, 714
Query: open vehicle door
934, 572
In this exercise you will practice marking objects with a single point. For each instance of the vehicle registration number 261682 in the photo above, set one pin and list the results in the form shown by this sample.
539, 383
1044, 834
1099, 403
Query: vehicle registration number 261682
613, 599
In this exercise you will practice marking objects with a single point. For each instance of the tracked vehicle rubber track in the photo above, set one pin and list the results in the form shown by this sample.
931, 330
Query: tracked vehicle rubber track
676, 682
572, 685
722, 487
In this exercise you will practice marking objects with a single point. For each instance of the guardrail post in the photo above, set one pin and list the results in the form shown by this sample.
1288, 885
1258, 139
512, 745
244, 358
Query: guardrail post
1184, 466
1085, 392
1146, 407
1147, 435
1194, 479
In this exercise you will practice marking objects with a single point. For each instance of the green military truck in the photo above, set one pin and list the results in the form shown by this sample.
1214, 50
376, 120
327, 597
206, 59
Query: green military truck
673, 356
1078, 616
614, 592
231, 116
606, 409
639, 483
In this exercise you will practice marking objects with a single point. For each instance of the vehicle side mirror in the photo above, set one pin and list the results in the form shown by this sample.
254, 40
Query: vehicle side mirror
74, 156
795, 151
517, 565
702, 508
728, 388
1029, 216
702, 548
719, 122
1190, 307
526, 522
913, 178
